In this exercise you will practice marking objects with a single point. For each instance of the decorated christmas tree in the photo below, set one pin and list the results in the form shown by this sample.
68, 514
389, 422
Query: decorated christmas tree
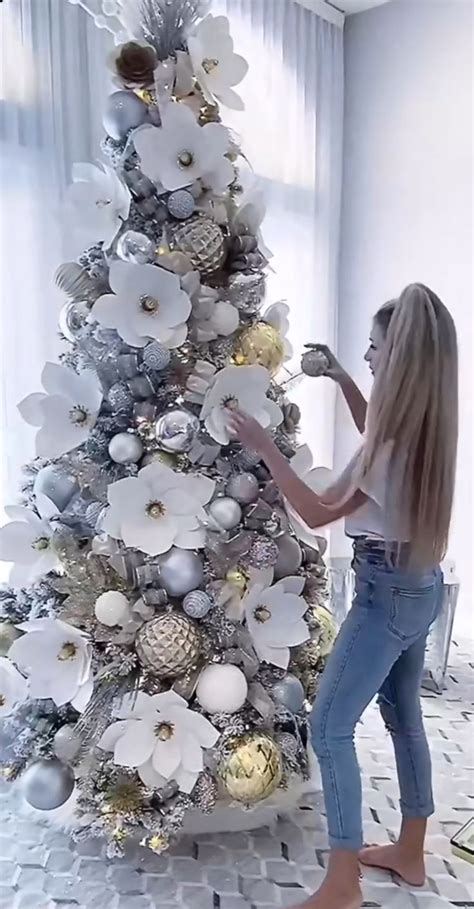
165, 623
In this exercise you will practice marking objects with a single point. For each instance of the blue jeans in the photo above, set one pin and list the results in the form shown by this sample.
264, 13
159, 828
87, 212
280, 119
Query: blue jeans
380, 648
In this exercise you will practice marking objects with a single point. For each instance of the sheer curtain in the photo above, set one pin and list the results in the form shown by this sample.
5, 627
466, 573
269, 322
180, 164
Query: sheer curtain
51, 99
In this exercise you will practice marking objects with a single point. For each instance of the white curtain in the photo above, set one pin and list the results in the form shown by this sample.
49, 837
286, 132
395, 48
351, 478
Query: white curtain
51, 99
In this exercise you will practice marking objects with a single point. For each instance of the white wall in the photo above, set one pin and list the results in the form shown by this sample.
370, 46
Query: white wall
407, 199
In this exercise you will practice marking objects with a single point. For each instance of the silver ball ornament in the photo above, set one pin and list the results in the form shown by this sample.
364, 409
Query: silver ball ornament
124, 111
125, 448
135, 247
196, 604
181, 204
47, 784
156, 356
72, 318
289, 692
180, 571
57, 486
66, 743
226, 512
176, 430
290, 556
314, 363
243, 488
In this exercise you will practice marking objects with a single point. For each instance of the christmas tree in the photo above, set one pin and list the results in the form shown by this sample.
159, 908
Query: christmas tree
165, 623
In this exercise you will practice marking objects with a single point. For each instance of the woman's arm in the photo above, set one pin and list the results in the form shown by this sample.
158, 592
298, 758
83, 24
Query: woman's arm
307, 504
354, 398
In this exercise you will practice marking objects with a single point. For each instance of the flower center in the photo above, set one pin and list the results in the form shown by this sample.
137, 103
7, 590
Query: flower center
230, 402
164, 732
101, 203
262, 614
41, 544
185, 159
78, 415
149, 304
208, 64
155, 510
68, 652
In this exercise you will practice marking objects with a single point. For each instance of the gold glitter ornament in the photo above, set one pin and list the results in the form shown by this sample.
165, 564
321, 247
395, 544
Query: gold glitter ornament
253, 769
169, 645
260, 344
201, 240
326, 632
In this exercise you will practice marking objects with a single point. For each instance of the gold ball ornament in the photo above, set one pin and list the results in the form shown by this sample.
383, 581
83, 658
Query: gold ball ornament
253, 769
326, 632
169, 645
261, 345
201, 240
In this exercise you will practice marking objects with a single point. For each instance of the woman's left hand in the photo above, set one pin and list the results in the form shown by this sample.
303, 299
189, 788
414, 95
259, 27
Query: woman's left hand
248, 431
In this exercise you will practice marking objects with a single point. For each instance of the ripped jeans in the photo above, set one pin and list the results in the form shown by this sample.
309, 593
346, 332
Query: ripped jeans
380, 649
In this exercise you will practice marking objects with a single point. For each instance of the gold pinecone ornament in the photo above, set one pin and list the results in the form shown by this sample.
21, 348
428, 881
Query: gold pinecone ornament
169, 645
253, 769
202, 241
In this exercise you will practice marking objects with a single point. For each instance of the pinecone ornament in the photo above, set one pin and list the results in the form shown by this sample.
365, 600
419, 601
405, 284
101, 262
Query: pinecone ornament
169, 645
202, 241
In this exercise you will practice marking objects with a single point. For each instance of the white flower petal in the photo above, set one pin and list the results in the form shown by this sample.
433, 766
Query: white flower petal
150, 777
31, 410
185, 780
83, 696
111, 735
166, 756
136, 745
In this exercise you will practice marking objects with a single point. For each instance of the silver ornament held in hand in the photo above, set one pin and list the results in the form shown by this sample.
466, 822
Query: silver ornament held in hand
47, 784
176, 430
314, 363
135, 247
125, 448
180, 571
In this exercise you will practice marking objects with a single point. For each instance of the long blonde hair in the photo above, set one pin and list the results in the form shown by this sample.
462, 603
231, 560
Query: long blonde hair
414, 407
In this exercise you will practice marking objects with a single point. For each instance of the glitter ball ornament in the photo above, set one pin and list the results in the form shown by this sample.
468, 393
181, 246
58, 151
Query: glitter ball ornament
222, 688
47, 784
252, 770
181, 204
169, 645
156, 356
119, 397
262, 345
205, 793
135, 247
243, 488
202, 241
196, 604
72, 318
262, 554
288, 745
314, 363
176, 430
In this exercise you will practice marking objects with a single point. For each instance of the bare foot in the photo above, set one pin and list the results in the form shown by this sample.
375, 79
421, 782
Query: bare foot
329, 897
392, 858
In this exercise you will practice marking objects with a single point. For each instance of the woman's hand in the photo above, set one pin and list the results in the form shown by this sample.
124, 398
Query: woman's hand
248, 431
334, 370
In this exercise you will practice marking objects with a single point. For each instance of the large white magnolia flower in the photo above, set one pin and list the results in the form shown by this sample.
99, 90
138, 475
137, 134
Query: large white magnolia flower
277, 316
243, 387
97, 202
56, 658
66, 412
318, 479
215, 64
180, 151
27, 542
158, 508
162, 738
274, 617
210, 317
13, 687
147, 303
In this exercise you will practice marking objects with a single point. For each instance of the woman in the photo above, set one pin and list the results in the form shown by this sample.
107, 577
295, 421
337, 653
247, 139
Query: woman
396, 496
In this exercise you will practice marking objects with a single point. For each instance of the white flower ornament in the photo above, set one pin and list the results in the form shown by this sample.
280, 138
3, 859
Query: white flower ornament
56, 658
66, 412
216, 66
277, 316
97, 202
161, 737
147, 303
274, 617
13, 687
318, 479
243, 387
158, 509
27, 542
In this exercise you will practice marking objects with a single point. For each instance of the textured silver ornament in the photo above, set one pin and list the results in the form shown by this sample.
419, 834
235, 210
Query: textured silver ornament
119, 397
57, 486
180, 571
248, 459
72, 318
123, 111
66, 743
93, 512
202, 241
226, 512
156, 356
289, 692
243, 488
47, 784
197, 604
314, 363
263, 553
176, 430
288, 746
125, 448
133, 246
74, 281
181, 204
169, 645
290, 556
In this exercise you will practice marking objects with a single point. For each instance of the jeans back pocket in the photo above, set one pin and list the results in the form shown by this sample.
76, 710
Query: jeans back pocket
412, 610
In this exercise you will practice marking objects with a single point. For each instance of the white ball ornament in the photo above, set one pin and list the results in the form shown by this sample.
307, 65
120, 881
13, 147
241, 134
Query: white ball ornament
222, 688
125, 448
111, 608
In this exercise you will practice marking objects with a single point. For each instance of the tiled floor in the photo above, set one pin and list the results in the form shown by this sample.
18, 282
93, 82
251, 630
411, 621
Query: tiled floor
41, 869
